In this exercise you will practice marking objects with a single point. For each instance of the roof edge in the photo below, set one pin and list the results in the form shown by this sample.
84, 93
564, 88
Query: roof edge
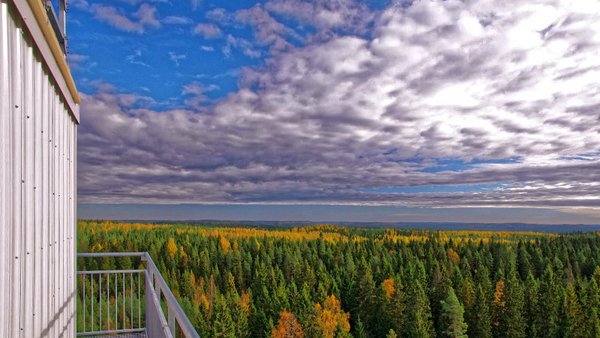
44, 37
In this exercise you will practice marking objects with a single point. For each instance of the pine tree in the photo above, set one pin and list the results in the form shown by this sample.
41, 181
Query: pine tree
359, 329
452, 317
418, 323
366, 297
592, 307
481, 326
574, 319
397, 307
548, 314
223, 326
514, 323
531, 306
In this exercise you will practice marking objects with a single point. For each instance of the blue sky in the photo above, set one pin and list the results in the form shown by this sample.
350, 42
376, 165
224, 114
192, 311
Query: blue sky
424, 106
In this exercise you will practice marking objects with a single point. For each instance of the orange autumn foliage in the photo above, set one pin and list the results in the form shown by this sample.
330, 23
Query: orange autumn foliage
204, 301
388, 287
499, 298
453, 256
245, 298
287, 326
330, 317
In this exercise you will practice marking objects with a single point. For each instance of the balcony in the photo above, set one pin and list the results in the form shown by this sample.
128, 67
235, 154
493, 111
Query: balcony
127, 302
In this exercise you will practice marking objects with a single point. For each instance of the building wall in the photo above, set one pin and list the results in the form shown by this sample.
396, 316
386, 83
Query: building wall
38, 132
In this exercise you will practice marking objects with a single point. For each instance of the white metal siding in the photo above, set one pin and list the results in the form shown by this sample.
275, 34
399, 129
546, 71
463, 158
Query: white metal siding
38, 136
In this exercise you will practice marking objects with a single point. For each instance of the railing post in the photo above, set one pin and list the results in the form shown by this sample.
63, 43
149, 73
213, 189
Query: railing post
155, 324
158, 324
171, 319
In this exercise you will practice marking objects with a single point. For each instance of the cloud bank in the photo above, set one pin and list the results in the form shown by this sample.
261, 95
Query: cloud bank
500, 98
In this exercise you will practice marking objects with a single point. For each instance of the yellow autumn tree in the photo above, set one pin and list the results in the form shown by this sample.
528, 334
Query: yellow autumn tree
171, 247
331, 317
287, 326
224, 244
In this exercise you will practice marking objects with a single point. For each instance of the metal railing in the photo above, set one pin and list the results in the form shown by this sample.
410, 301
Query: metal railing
118, 302
58, 20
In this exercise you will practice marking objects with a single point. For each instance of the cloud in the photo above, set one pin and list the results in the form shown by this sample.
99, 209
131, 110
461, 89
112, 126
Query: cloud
135, 58
176, 58
505, 91
80, 4
195, 94
219, 15
244, 45
344, 15
144, 17
267, 30
77, 61
177, 20
208, 31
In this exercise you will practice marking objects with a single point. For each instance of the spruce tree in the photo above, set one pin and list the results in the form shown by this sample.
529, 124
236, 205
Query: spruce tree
223, 326
548, 314
514, 323
574, 321
482, 320
418, 323
592, 307
452, 317
531, 308
359, 329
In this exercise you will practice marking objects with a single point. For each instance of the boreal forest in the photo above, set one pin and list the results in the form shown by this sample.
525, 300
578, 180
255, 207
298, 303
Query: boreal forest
331, 281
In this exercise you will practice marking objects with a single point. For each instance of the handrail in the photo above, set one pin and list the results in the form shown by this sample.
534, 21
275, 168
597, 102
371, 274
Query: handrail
172, 304
110, 254
155, 286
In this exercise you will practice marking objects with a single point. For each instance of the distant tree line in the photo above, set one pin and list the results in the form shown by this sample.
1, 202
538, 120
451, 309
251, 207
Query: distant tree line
327, 281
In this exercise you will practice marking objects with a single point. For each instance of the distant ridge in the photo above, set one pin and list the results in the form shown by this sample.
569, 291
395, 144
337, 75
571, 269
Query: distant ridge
520, 227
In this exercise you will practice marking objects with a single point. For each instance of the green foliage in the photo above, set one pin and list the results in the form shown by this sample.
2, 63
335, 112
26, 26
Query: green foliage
452, 319
236, 282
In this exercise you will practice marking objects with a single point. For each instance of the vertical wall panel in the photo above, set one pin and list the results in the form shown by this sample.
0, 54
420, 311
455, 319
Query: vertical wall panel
15, 40
28, 113
38, 134
4, 167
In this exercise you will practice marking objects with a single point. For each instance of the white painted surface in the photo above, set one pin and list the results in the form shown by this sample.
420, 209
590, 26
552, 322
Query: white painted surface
38, 134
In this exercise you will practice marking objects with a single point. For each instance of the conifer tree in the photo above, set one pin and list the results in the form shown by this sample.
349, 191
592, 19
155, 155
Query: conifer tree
531, 306
418, 322
548, 314
223, 326
514, 322
592, 307
359, 329
452, 317
481, 326
574, 323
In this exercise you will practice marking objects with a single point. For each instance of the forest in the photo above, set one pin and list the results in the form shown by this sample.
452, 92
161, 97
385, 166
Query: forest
331, 281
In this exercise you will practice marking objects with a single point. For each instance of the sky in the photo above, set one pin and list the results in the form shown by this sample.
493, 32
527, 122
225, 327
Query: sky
467, 111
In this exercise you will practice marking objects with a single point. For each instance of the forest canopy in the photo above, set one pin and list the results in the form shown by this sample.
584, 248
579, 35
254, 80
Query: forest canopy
330, 281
